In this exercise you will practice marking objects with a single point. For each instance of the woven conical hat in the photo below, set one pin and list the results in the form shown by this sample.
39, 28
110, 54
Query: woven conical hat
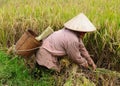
80, 23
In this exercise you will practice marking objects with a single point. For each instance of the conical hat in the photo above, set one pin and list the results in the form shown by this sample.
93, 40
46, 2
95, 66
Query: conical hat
80, 23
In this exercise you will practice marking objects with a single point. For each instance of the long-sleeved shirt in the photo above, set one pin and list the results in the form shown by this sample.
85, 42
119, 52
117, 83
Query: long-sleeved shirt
60, 43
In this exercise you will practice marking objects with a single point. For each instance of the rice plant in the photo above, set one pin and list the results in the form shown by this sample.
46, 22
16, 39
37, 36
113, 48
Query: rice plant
103, 45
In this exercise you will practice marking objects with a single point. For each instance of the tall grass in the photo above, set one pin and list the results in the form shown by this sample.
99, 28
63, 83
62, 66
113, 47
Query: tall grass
104, 45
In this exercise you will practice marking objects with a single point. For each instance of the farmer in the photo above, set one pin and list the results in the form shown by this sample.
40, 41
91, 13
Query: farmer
67, 41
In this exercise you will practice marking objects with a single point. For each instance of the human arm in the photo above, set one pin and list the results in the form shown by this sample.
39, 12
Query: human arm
74, 54
86, 55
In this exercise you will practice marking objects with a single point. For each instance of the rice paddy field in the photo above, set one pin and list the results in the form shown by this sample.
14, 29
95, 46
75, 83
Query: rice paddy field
103, 45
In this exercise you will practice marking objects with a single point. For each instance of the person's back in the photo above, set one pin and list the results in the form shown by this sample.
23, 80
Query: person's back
57, 42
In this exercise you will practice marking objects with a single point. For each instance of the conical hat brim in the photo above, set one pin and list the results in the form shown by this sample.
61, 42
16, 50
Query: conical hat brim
80, 23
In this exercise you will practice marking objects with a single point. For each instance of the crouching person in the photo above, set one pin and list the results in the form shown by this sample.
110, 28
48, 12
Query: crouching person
67, 41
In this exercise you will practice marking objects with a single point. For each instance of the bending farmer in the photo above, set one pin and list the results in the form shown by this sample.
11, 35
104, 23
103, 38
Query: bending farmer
67, 41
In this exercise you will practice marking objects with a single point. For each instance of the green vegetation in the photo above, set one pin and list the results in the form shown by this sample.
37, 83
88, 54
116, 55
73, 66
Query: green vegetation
14, 73
18, 15
104, 45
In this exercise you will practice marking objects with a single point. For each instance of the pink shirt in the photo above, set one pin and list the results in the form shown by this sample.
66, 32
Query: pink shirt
65, 42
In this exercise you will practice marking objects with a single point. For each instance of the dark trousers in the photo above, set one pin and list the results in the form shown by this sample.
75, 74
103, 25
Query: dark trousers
39, 71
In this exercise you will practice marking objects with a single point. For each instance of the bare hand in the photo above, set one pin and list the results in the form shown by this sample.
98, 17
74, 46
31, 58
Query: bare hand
94, 66
91, 63
85, 65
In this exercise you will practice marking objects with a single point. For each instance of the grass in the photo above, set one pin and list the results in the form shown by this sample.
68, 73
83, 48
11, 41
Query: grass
37, 15
14, 73
18, 15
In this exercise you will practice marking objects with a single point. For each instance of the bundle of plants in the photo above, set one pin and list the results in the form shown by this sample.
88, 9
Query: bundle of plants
73, 75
